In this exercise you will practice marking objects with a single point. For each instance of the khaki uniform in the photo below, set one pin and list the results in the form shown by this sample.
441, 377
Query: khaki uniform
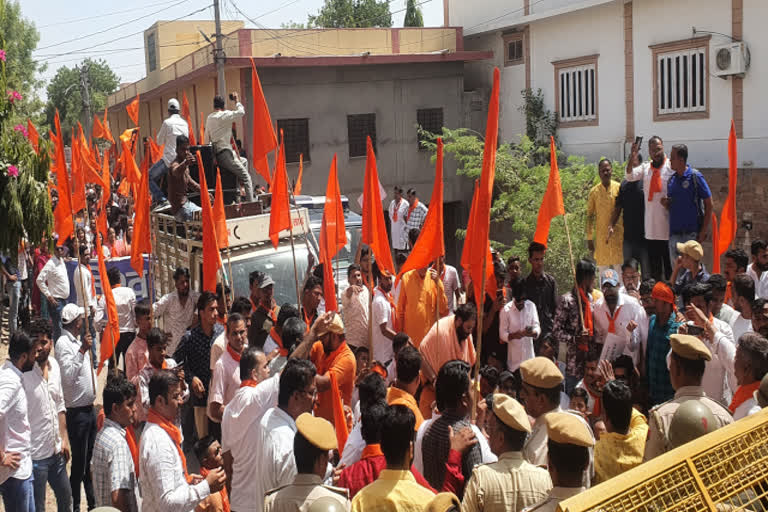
557, 495
299, 496
509, 485
660, 417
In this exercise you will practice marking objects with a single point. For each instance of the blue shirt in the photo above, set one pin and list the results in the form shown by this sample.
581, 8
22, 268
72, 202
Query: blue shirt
659, 385
683, 210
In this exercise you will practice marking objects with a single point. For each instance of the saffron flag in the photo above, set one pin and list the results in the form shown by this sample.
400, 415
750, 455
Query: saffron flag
280, 214
89, 160
219, 216
339, 418
552, 203
98, 131
728, 221
131, 170
211, 255
187, 115
333, 235
202, 129
34, 137
467, 249
264, 139
101, 223
107, 131
133, 110
111, 334
297, 188
431, 244
715, 239
78, 179
63, 223
155, 151
374, 230
141, 242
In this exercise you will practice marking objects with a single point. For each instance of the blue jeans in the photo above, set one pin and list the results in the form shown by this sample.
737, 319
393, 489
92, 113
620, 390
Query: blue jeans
55, 314
185, 212
52, 470
18, 495
681, 238
15, 295
156, 172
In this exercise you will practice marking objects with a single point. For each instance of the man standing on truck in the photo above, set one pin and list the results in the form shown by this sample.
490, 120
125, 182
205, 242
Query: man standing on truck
219, 132
265, 309
172, 127
179, 181
177, 308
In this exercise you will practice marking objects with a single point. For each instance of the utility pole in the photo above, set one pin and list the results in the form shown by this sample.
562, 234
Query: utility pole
218, 52
85, 95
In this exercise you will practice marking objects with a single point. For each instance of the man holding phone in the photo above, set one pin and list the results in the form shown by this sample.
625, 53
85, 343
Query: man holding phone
218, 131
519, 325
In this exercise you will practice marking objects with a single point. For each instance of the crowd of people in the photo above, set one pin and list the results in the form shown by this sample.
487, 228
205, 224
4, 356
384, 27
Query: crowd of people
242, 404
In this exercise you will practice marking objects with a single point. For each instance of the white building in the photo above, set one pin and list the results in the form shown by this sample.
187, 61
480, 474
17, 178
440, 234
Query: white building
640, 68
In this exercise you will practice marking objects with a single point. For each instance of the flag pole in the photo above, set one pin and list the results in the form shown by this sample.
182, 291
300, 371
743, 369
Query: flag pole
480, 311
295, 269
573, 269
370, 304
82, 291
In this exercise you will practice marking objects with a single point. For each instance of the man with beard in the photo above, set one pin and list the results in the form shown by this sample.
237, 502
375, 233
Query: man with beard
655, 176
383, 314
177, 308
16, 480
541, 288
519, 326
617, 317
721, 292
265, 309
743, 297
335, 363
449, 338
310, 300
604, 240
736, 262
758, 269
630, 278
421, 300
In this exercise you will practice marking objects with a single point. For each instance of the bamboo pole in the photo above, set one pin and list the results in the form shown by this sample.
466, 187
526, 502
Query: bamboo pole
370, 304
295, 269
480, 311
82, 292
573, 269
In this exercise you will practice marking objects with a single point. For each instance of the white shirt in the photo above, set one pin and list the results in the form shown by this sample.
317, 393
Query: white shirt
355, 315
45, 400
162, 482
15, 432
747, 408
656, 215
276, 464
218, 126
277, 363
226, 379
125, 302
739, 326
728, 315
21, 260
219, 347
84, 285
622, 341
77, 374
240, 436
176, 318
53, 279
761, 281
172, 127
719, 380
142, 387
486, 454
382, 313
353, 449
511, 320
398, 227
451, 283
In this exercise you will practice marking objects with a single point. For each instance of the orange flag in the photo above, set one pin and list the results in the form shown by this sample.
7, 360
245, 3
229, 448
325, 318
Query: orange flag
728, 221
211, 255
552, 203
374, 230
89, 160
98, 131
155, 151
78, 178
107, 131
34, 137
431, 244
466, 252
133, 110
141, 243
333, 235
264, 139
339, 419
185, 113
280, 214
297, 188
219, 216
715, 240
132, 172
62, 215
202, 129
107, 179
111, 333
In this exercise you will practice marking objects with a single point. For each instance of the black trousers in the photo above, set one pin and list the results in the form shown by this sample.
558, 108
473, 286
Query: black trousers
126, 338
81, 429
658, 255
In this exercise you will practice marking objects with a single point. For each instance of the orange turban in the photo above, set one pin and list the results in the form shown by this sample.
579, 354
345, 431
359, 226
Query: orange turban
663, 292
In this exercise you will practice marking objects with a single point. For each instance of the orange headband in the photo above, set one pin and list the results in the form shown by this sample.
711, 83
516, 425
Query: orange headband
663, 293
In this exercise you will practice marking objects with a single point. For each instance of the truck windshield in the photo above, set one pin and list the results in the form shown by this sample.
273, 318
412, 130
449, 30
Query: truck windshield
346, 255
279, 265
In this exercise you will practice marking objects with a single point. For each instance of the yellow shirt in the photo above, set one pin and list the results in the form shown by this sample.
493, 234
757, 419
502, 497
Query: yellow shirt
418, 303
393, 491
509, 485
599, 211
616, 453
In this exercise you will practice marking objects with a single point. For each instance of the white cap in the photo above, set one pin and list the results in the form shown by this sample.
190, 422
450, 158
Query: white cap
173, 103
71, 312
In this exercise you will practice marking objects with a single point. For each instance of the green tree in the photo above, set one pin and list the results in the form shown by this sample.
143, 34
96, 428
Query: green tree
352, 14
64, 92
294, 25
413, 17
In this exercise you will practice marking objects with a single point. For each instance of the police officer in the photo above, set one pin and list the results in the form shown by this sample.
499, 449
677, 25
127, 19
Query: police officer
692, 420
686, 369
314, 438
570, 441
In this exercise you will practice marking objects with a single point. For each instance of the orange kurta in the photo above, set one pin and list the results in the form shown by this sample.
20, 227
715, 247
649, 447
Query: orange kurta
342, 363
418, 303
396, 396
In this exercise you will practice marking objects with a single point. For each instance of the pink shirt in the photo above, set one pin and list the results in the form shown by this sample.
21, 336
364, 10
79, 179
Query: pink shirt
136, 357
226, 379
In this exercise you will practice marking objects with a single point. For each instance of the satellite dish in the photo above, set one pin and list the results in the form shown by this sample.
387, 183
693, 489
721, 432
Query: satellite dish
723, 59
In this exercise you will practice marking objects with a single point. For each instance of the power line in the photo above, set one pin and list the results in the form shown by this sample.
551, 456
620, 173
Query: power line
106, 15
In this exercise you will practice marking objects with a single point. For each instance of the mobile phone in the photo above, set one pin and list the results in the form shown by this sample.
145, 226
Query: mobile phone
639, 141
232, 97
693, 329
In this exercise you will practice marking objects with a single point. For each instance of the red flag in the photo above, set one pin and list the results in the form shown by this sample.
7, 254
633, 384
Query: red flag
280, 214
374, 230
185, 113
297, 188
111, 334
63, 223
552, 202
339, 418
219, 216
211, 255
141, 243
133, 110
264, 139
431, 244
715, 240
34, 137
333, 235
728, 221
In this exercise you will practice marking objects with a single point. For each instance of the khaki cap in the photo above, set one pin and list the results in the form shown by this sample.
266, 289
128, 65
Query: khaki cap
541, 372
567, 428
336, 326
317, 431
442, 502
692, 248
510, 412
689, 347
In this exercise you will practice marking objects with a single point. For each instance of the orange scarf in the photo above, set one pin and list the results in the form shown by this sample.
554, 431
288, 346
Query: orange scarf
249, 383
410, 210
587, 314
270, 313
327, 362
308, 318
130, 438
392, 308
173, 432
234, 354
743, 394
371, 450
163, 366
597, 408
612, 320
397, 207
221, 320
279, 340
728, 293
223, 492
655, 183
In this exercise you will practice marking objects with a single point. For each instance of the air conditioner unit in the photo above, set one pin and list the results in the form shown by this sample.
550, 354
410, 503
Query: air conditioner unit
731, 59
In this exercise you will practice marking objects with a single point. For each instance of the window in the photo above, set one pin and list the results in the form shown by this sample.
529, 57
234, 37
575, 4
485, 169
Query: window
576, 91
296, 136
151, 52
431, 120
359, 126
681, 80
513, 49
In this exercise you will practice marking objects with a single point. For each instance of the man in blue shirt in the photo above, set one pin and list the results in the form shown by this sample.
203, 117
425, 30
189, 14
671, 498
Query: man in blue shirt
686, 190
